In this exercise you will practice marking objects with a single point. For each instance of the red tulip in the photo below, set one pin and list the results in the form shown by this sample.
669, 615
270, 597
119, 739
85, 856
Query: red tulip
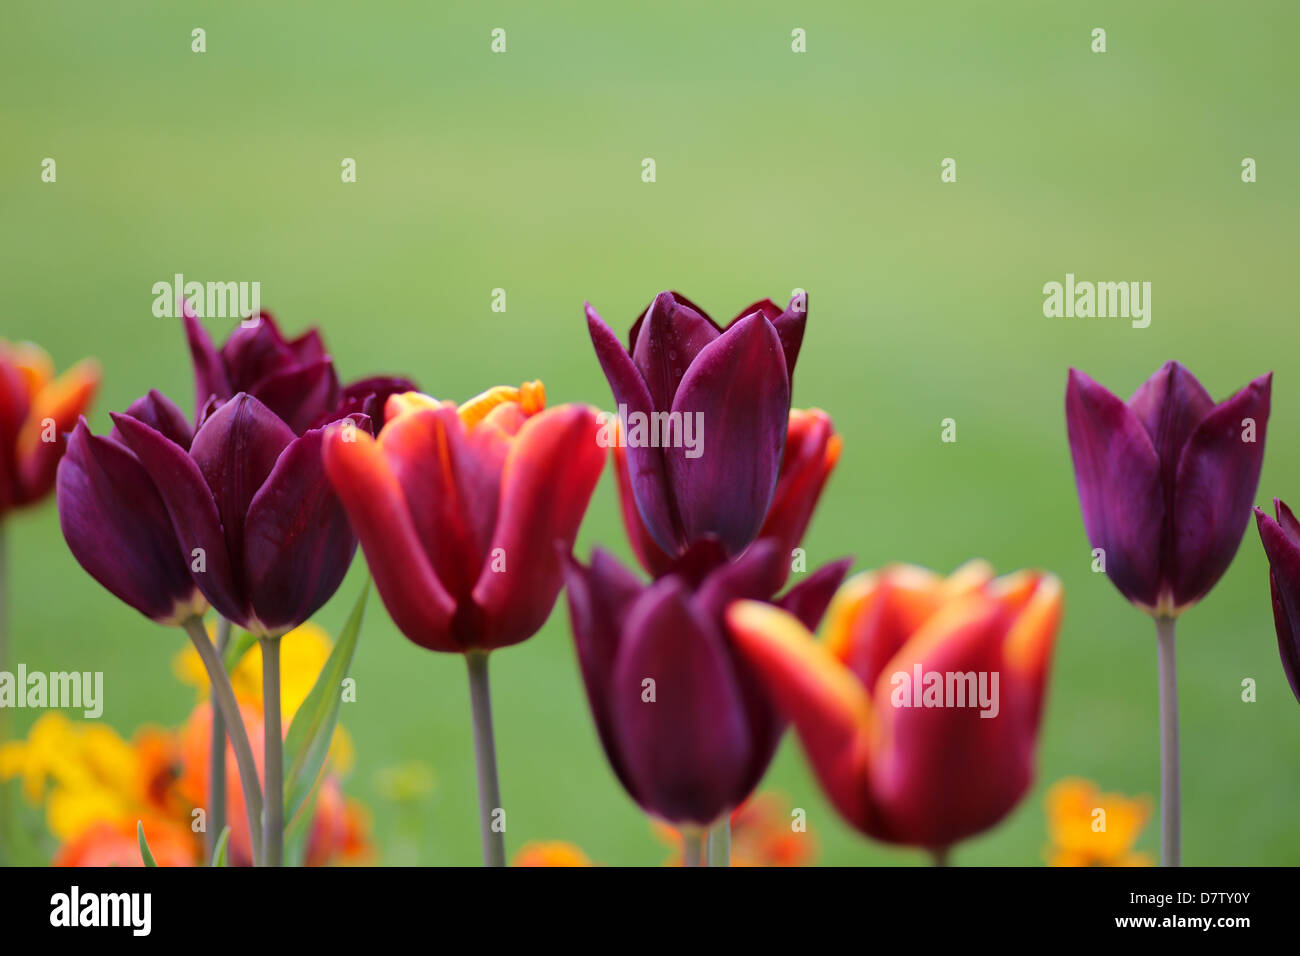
907, 757
36, 413
460, 510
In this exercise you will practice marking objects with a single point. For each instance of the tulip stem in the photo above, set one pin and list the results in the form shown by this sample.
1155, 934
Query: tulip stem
217, 757
1170, 798
719, 847
224, 696
694, 850
485, 757
273, 814
941, 856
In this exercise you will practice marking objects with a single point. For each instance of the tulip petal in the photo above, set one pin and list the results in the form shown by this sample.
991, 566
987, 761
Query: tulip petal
599, 599
61, 403
1283, 553
418, 603
162, 415
1170, 404
821, 697
301, 394
687, 749
235, 450
118, 529
550, 472
812, 449
809, 599
252, 352
646, 466
652, 557
1218, 475
670, 338
635, 333
210, 377
193, 510
739, 393
1117, 473
297, 540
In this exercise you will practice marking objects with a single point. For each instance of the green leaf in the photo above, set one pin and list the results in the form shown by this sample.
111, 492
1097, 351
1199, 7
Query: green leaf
145, 853
308, 741
219, 851
237, 648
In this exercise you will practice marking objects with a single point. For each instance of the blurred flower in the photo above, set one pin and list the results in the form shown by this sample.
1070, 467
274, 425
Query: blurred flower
250, 503
115, 522
294, 378
812, 449
550, 853
920, 711
684, 723
116, 844
37, 410
460, 510
1166, 481
761, 835
1282, 545
735, 381
1089, 828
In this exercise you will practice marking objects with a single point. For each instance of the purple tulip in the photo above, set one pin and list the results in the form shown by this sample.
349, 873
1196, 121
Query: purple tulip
684, 722
294, 378
732, 385
1166, 481
251, 502
115, 522
1282, 545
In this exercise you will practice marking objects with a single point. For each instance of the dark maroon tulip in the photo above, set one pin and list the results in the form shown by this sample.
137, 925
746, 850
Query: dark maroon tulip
115, 522
701, 745
1282, 545
1166, 481
294, 378
274, 539
733, 381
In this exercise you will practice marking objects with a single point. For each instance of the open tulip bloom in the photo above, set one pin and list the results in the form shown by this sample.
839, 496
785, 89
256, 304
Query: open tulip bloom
1166, 482
460, 511
919, 711
1281, 539
683, 720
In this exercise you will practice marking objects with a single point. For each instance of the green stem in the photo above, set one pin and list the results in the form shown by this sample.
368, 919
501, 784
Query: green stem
224, 696
485, 758
720, 843
273, 815
941, 856
217, 757
1171, 812
693, 851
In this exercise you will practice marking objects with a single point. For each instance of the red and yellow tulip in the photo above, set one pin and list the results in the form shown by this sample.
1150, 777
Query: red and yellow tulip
902, 764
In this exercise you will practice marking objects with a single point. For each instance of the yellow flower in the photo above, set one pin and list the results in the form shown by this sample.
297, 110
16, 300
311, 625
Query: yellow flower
550, 853
303, 653
1089, 828
84, 774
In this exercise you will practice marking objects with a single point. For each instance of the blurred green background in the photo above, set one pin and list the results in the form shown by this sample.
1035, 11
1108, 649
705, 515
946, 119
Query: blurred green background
774, 170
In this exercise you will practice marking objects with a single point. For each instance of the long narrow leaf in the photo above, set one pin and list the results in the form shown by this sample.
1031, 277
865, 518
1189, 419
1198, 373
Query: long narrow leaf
145, 854
308, 741
219, 852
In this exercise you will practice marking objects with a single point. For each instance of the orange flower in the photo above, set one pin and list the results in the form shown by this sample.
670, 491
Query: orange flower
761, 835
109, 843
920, 711
550, 853
36, 412
1089, 828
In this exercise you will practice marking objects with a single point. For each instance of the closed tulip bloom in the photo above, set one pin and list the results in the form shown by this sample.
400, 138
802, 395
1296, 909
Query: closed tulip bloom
1281, 539
37, 411
116, 523
460, 510
294, 378
1166, 481
920, 710
683, 720
812, 449
727, 389
268, 539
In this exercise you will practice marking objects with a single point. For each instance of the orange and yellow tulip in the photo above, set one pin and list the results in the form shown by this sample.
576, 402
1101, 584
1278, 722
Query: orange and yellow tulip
37, 410
920, 710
